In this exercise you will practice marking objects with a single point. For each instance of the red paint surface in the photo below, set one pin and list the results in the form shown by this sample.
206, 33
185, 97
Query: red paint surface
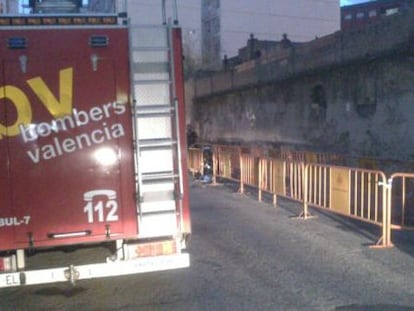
51, 191
179, 82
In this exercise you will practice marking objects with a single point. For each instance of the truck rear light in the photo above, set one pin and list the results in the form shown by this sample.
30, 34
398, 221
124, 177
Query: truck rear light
150, 249
8, 263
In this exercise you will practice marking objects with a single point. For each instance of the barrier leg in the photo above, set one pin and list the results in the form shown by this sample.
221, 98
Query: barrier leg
260, 176
305, 214
215, 163
385, 240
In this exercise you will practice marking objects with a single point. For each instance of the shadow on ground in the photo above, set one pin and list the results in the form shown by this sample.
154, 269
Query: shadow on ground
379, 307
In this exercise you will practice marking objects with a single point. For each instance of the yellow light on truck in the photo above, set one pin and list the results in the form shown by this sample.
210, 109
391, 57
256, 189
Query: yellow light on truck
18, 21
94, 20
64, 20
4, 21
79, 20
110, 20
34, 21
49, 21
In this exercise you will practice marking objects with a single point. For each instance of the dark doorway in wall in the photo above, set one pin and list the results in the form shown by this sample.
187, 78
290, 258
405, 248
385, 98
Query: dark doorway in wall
367, 107
318, 103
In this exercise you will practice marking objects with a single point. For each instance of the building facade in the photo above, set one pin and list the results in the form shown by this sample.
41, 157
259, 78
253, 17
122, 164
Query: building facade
359, 15
350, 92
226, 25
189, 18
10, 6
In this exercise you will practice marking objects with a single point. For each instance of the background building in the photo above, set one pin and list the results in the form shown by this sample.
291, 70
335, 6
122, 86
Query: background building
350, 92
366, 13
226, 25
189, 17
9, 6
219, 27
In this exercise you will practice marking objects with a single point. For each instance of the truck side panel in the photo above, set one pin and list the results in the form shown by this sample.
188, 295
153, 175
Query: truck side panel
7, 230
69, 132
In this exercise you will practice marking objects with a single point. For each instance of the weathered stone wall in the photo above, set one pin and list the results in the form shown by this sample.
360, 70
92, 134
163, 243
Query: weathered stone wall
348, 92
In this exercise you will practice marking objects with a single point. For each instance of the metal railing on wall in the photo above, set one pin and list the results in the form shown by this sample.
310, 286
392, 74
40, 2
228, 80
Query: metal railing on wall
363, 194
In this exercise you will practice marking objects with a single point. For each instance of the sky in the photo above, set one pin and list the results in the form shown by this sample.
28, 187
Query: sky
350, 2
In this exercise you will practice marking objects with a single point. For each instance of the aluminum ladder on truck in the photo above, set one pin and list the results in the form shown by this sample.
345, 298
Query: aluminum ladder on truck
157, 162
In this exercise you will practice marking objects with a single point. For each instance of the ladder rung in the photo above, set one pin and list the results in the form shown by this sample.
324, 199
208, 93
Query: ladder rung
158, 213
155, 81
153, 109
156, 143
158, 196
150, 48
151, 67
158, 177
153, 115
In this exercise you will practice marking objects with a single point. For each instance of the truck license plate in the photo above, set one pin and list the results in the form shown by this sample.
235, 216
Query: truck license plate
9, 279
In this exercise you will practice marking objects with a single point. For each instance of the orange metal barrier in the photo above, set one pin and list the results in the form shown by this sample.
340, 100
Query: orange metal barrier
295, 178
349, 191
272, 177
311, 157
363, 194
277, 177
356, 193
195, 160
226, 162
402, 200
352, 192
248, 171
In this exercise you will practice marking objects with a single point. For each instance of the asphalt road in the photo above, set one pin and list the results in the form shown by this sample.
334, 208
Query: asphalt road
247, 255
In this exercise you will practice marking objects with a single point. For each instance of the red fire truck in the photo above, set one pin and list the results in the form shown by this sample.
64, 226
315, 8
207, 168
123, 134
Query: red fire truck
92, 145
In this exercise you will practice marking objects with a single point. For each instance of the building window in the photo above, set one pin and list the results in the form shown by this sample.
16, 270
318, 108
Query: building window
391, 11
366, 97
360, 15
348, 17
372, 13
367, 108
